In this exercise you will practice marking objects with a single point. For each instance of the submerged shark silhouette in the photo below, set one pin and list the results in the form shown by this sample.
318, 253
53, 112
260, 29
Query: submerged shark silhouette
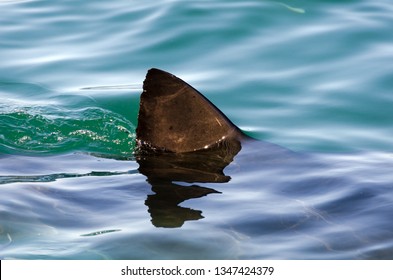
182, 137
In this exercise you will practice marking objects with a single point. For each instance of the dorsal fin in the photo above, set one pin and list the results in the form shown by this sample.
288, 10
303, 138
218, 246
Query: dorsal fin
175, 117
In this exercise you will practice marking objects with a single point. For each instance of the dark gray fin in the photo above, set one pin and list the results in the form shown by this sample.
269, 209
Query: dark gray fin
175, 117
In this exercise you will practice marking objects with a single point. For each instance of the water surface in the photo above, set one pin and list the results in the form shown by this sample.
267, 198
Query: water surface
313, 77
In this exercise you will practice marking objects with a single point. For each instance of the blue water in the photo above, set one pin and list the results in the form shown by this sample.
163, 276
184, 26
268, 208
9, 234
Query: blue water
313, 77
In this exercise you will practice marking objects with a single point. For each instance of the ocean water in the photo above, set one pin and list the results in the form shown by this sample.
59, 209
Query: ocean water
314, 77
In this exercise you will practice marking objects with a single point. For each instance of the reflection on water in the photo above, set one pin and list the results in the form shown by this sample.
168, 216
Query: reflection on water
164, 204
166, 171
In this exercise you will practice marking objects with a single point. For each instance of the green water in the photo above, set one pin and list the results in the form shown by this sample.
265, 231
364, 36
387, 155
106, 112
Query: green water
51, 127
